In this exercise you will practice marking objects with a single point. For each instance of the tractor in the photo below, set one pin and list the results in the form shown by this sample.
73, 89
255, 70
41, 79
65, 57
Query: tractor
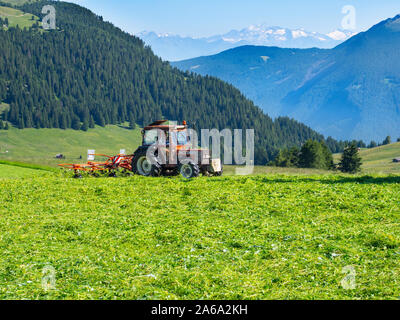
196, 160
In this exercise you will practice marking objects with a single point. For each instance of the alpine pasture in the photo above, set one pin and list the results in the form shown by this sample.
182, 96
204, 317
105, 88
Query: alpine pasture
270, 236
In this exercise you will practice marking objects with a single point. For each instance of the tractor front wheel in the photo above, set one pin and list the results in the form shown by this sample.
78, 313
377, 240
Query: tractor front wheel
189, 170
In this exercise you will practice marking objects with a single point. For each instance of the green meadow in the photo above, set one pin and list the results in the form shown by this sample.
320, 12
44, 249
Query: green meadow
260, 237
277, 234
41, 146
17, 17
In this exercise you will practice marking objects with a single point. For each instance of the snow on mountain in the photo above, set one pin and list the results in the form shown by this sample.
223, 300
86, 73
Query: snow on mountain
341, 35
174, 47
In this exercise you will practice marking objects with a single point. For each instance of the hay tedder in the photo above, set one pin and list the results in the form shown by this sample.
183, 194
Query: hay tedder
110, 167
196, 161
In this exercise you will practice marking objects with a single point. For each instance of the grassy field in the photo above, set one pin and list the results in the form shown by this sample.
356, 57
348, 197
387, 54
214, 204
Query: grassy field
260, 237
17, 17
12, 171
381, 159
41, 146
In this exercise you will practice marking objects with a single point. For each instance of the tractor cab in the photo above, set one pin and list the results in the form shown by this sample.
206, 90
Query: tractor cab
174, 133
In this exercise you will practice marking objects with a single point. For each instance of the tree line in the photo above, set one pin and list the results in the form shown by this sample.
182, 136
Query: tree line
316, 155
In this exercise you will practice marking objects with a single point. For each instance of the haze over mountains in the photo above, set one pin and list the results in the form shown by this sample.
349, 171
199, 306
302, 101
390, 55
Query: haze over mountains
349, 92
174, 47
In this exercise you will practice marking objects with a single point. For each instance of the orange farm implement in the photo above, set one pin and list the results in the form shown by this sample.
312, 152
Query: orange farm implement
110, 166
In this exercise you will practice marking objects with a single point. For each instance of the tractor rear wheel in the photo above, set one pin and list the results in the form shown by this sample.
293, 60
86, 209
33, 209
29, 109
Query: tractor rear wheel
189, 170
141, 165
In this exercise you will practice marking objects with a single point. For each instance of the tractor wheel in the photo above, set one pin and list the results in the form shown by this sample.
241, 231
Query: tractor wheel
206, 173
141, 165
156, 170
189, 170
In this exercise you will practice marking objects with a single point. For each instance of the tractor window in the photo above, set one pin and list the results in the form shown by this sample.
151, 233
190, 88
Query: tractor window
178, 138
150, 137
182, 138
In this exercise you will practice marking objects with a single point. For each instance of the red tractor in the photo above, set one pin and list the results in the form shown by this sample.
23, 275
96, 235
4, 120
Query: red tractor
196, 160
176, 141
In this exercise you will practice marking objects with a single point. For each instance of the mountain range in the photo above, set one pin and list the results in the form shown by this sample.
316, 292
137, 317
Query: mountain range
174, 47
349, 92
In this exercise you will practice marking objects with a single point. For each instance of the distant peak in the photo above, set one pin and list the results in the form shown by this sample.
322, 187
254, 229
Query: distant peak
341, 35
394, 24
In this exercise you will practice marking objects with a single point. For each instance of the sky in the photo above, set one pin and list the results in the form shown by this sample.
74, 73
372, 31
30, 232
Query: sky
212, 17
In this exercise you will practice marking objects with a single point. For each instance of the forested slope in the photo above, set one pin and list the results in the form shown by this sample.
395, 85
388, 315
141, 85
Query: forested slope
88, 71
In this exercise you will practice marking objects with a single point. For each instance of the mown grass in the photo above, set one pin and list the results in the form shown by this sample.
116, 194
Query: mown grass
27, 166
15, 171
261, 237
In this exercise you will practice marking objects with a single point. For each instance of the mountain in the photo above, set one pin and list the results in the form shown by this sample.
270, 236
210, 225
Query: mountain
349, 92
87, 71
174, 47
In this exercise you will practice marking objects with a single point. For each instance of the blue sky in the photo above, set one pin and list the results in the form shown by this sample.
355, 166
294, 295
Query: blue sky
210, 17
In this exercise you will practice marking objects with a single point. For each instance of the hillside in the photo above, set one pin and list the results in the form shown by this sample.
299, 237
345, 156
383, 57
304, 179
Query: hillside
349, 92
41, 146
88, 71
380, 159
17, 17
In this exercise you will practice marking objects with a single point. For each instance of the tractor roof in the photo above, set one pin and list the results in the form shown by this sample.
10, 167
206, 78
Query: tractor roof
165, 125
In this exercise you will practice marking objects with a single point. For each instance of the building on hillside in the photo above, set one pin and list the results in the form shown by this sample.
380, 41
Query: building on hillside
396, 160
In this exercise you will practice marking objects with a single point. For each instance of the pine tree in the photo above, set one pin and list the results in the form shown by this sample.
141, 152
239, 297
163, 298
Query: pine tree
328, 157
132, 124
387, 141
85, 126
1, 125
21, 123
6, 127
101, 121
351, 160
311, 155
63, 122
373, 144
76, 123
91, 123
